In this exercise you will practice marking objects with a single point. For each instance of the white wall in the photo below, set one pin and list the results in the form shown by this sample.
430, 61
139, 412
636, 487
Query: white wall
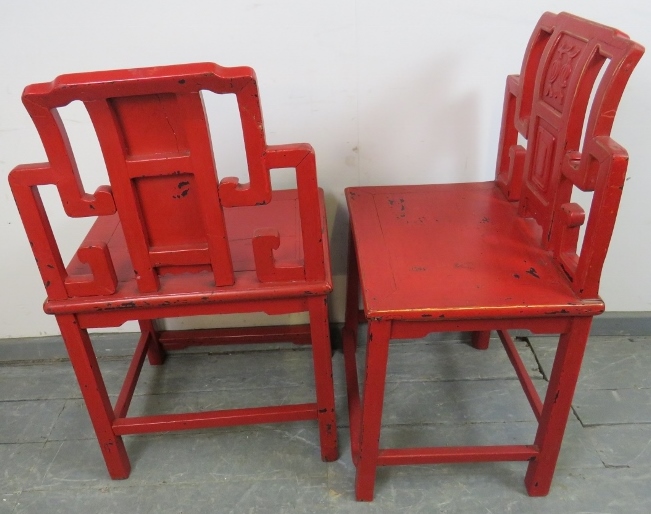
386, 91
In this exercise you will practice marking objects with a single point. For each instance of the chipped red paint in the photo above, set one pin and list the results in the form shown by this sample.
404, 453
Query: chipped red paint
497, 255
171, 240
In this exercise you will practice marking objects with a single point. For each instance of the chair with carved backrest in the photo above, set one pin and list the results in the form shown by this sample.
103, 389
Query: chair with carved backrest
498, 255
171, 240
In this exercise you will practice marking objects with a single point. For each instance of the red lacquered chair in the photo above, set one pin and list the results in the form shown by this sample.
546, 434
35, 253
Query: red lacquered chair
171, 240
498, 255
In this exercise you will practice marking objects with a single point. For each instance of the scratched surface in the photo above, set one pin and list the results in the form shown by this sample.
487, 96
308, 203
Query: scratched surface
50, 462
495, 265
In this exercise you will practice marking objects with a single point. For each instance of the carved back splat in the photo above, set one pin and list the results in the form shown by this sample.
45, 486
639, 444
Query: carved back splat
154, 137
547, 104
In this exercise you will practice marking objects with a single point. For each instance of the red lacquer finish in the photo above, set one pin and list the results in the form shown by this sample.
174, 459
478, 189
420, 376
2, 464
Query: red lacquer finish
171, 240
493, 256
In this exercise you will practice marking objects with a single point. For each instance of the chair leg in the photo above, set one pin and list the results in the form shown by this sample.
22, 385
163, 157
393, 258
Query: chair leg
155, 352
84, 363
325, 395
480, 340
349, 343
377, 353
556, 408
352, 294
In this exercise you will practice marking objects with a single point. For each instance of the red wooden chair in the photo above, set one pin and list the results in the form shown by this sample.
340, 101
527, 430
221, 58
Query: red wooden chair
497, 255
171, 240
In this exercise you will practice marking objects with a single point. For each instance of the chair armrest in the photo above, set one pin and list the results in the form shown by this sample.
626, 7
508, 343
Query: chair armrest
287, 156
301, 158
24, 181
606, 164
511, 155
601, 168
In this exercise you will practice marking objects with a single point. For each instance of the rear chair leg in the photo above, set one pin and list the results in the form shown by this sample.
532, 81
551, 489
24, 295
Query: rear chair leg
480, 340
352, 294
325, 395
155, 352
349, 343
84, 363
556, 408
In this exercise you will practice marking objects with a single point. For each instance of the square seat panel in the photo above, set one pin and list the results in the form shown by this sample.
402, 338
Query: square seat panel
450, 251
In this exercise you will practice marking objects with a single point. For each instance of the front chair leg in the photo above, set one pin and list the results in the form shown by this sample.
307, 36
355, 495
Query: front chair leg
325, 396
349, 344
377, 354
84, 363
556, 409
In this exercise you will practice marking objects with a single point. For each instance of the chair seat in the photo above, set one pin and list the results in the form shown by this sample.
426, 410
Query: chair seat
454, 251
198, 285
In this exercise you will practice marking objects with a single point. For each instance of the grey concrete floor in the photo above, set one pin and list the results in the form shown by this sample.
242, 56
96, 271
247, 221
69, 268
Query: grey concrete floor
439, 391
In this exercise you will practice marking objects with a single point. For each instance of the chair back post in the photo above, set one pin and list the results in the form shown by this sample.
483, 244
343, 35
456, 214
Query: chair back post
153, 133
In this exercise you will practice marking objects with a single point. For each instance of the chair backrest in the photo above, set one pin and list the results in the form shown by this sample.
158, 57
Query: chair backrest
563, 104
154, 137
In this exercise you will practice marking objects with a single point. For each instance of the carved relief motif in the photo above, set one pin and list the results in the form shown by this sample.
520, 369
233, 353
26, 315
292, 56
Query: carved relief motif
559, 72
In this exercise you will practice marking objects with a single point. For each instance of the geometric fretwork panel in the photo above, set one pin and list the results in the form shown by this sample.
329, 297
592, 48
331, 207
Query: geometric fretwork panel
544, 147
152, 128
562, 104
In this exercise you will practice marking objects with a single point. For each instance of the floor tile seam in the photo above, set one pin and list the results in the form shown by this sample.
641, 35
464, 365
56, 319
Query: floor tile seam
25, 363
624, 466
47, 437
185, 433
103, 484
247, 348
22, 443
300, 387
34, 466
541, 370
448, 380
143, 394
25, 400
466, 342
432, 424
297, 386
127, 357
33, 440
591, 443
629, 465
462, 379
52, 440
573, 412
616, 424
14, 503
584, 389
44, 399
